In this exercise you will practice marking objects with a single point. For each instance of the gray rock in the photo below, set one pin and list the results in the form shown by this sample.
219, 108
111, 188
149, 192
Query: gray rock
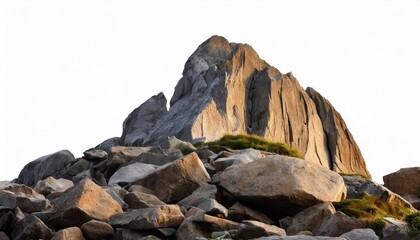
204, 191
395, 229
78, 167
244, 156
337, 224
23, 197
98, 230
54, 165
353, 183
213, 208
254, 229
364, 233
72, 233
308, 219
137, 200
117, 197
52, 185
139, 122
120, 155
199, 224
130, 173
6, 221
158, 159
283, 184
95, 154
31, 227
107, 144
239, 212
149, 218
176, 180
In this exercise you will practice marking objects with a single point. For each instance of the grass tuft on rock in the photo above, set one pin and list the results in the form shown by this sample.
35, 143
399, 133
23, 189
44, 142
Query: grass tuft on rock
371, 210
250, 141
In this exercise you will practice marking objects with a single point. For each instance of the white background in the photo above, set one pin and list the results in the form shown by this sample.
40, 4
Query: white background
71, 71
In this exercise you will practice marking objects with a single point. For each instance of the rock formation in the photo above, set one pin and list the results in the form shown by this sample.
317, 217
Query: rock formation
227, 89
148, 184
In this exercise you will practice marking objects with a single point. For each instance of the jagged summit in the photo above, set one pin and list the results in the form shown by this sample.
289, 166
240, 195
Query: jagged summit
226, 88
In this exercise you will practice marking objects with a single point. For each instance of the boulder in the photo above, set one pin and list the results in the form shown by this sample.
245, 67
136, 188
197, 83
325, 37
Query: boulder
158, 159
337, 224
204, 191
176, 180
253, 229
52, 185
31, 227
3, 236
139, 122
244, 156
82, 203
395, 229
308, 219
137, 200
78, 167
54, 165
213, 208
226, 88
149, 218
98, 230
239, 212
300, 237
283, 184
18, 195
27, 204
120, 155
72, 233
107, 144
6, 221
363, 233
130, 173
95, 154
404, 181
199, 224
353, 183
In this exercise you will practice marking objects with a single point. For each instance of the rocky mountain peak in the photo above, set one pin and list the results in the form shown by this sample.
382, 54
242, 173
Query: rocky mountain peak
226, 88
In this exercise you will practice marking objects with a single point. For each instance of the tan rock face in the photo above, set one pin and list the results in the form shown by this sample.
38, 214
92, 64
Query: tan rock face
283, 183
227, 89
82, 203
175, 181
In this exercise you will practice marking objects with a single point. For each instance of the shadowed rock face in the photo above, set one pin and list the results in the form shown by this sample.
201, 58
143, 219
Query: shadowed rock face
227, 89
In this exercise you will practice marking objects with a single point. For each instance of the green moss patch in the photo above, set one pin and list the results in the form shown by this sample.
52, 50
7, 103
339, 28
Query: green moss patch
371, 210
413, 221
250, 141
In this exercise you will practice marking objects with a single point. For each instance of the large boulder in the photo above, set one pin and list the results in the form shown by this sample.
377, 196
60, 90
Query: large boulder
139, 122
405, 182
82, 203
308, 219
176, 180
31, 227
337, 224
14, 195
54, 165
226, 88
283, 184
